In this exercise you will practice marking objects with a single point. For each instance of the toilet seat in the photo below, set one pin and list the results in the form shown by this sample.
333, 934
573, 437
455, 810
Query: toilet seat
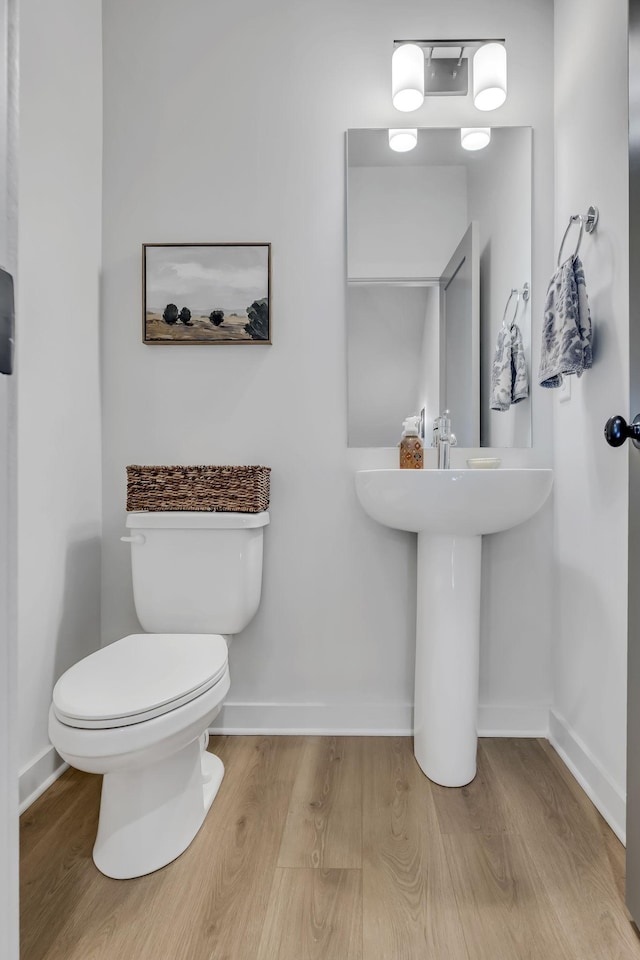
138, 678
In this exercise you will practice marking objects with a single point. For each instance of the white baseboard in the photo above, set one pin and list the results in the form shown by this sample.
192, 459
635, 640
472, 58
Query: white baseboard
37, 776
337, 719
366, 719
606, 795
529, 720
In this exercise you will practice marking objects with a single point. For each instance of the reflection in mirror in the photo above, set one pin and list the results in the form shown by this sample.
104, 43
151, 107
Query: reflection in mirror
437, 240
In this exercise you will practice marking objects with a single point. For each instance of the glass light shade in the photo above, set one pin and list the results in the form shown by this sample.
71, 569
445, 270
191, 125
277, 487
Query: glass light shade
403, 140
475, 138
490, 76
407, 77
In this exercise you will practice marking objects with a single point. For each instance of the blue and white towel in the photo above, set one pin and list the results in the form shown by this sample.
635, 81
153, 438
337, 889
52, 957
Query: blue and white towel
566, 332
509, 377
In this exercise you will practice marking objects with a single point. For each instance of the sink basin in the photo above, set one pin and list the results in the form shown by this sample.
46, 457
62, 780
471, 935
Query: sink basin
450, 510
453, 502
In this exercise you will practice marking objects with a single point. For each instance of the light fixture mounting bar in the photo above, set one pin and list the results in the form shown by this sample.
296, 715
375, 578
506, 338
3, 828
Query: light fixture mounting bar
425, 44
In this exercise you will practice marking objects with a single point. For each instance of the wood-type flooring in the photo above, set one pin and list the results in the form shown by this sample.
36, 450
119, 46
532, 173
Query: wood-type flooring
339, 848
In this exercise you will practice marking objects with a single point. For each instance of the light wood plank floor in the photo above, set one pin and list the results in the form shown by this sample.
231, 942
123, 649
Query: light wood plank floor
325, 848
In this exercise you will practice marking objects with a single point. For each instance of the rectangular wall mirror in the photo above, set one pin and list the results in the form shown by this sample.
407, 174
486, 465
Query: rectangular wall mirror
437, 240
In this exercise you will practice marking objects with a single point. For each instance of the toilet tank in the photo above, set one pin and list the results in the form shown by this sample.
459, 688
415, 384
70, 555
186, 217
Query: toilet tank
196, 572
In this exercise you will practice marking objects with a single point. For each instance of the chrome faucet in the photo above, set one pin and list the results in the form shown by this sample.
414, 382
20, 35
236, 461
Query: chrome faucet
443, 439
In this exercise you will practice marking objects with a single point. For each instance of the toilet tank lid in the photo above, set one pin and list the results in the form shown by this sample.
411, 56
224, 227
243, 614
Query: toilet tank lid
198, 519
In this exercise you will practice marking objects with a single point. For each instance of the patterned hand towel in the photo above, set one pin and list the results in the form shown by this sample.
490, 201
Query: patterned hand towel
520, 376
566, 332
509, 378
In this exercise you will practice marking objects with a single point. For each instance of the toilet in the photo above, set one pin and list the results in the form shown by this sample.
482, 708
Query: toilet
138, 710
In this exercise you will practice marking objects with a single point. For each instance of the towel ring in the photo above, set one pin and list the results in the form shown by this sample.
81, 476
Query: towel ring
514, 293
587, 222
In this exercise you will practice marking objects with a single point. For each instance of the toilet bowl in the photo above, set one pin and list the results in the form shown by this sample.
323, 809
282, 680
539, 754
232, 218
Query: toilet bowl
138, 710
141, 722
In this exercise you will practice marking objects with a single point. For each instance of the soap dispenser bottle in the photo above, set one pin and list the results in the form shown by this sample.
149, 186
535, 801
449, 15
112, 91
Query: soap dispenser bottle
411, 447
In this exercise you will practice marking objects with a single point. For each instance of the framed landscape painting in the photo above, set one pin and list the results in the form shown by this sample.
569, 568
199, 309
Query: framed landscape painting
206, 293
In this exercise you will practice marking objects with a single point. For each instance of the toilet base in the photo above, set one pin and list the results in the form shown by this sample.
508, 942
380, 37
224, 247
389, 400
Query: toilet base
149, 816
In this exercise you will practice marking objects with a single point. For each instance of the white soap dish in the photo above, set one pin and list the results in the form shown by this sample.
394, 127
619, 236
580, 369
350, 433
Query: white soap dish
483, 463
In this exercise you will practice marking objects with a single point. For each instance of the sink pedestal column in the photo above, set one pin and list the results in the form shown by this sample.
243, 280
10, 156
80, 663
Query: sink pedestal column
447, 657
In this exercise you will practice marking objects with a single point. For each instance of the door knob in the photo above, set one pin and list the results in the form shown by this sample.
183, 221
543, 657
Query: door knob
617, 430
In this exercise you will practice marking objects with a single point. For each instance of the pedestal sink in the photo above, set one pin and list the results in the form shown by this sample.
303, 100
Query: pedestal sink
450, 510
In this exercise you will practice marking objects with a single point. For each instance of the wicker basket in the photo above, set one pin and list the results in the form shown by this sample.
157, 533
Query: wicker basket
224, 489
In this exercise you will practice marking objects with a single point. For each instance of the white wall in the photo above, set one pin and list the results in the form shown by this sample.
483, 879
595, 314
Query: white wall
404, 221
59, 250
590, 637
226, 122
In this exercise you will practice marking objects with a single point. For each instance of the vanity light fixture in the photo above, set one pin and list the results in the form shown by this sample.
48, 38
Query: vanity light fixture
475, 138
407, 77
490, 76
440, 68
403, 140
